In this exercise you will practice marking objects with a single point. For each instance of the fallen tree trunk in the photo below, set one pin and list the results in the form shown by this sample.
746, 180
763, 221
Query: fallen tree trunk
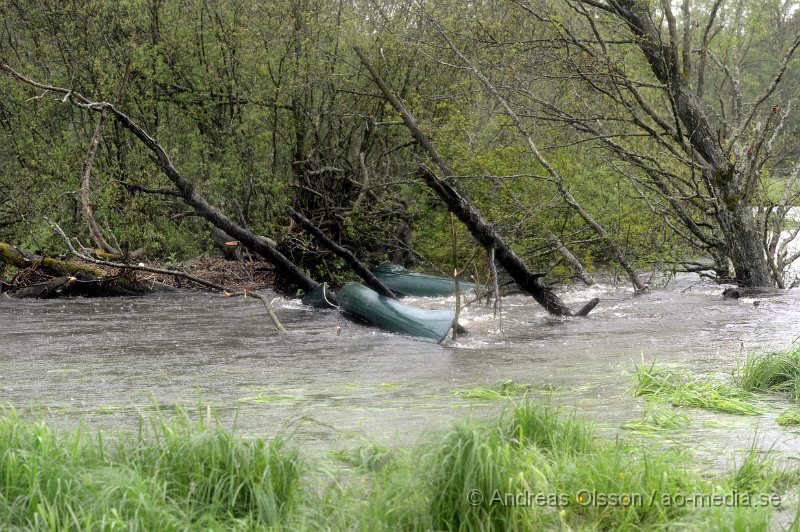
227, 293
61, 278
48, 265
352, 262
79, 285
87, 281
527, 280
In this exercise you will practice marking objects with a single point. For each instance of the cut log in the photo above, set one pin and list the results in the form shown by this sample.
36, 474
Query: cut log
225, 243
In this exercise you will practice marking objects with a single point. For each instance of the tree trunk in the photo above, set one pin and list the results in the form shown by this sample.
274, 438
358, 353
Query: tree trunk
68, 278
743, 243
225, 243
48, 265
94, 230
744, 247
529, 281
571, 259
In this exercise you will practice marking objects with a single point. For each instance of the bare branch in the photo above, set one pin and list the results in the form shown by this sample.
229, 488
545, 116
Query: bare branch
767, 92
701, 69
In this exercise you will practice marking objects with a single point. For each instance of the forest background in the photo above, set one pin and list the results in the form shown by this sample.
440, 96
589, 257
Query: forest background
626, 136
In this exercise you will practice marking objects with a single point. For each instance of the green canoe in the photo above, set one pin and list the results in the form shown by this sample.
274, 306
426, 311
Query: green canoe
368, 305
401, 281
318, 297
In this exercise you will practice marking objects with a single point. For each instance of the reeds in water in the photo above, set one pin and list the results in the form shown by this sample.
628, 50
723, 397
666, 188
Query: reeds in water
777, 371
683, 389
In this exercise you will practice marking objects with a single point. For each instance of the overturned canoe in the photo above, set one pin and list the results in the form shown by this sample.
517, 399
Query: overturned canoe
320, 297
403, 282
368, 305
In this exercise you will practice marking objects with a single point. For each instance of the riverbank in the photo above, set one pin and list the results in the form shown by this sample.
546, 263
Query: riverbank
530, 468
236, 275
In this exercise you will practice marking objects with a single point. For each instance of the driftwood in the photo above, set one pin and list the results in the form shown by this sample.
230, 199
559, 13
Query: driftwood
527, 280
175, 273
63, 278
69, 279
352, 262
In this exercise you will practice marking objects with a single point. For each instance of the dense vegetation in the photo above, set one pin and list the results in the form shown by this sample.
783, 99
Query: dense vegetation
532, 468
556, 116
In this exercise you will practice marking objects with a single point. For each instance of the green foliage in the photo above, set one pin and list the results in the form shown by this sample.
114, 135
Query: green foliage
263, 105
177, 473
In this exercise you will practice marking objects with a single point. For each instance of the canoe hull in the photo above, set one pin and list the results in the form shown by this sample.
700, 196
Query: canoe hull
318, 297
368, 305
401, 281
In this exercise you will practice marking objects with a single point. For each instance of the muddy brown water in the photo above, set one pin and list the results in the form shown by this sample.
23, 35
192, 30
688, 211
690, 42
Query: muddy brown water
103, 362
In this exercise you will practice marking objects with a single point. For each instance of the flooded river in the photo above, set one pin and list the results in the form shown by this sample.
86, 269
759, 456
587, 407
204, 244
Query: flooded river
104, 361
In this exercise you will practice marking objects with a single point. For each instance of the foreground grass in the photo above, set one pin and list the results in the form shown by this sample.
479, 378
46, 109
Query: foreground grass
534, 469
175, 474
530, 469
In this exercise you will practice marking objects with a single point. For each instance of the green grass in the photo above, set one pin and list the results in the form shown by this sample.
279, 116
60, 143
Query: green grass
174, 474
789, 416
778, 371
499, 390
656, 419
686, 390
531, 468
534, 451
